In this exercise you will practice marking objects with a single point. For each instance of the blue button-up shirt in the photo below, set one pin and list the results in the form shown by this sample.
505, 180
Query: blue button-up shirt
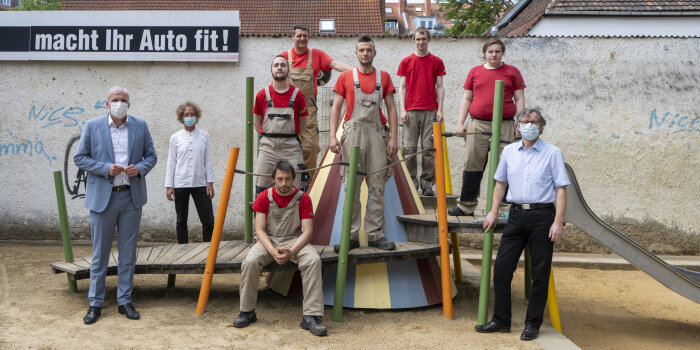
532, 174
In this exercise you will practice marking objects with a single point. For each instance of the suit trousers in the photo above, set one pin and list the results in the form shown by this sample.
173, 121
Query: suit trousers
204, 210
122, 215
306, 258
524, 227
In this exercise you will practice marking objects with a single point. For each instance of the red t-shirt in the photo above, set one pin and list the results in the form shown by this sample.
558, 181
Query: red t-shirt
345, 86
262, 205
421, 76
481, 81
281, 101
320, 61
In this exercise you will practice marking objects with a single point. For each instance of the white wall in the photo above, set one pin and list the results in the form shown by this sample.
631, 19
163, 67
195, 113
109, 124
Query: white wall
605, 100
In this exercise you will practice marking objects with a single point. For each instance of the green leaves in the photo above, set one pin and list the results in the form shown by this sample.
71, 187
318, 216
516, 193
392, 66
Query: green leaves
473, 16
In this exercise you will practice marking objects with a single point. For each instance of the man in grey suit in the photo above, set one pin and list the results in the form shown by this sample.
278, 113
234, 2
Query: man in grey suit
117, 152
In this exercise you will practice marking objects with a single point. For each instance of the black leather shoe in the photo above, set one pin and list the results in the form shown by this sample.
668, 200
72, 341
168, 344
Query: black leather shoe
492, 327
383, 244
353, 245
128, 310
456, 211
529, 333
92, 315
244, 319
313, 325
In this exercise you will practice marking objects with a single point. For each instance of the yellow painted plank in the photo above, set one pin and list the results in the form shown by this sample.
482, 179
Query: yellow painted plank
372, 286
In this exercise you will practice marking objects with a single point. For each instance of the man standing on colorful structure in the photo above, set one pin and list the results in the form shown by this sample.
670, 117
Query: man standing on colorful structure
477, 102
280, 114
305, 65
283, 226
533, 172
363, 89
420, 96
117, 152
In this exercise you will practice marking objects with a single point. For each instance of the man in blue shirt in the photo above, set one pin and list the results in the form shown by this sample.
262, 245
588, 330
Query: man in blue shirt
533, 173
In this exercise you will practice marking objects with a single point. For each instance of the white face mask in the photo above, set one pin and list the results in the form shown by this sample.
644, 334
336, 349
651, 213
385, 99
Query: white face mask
118, 109
529, 131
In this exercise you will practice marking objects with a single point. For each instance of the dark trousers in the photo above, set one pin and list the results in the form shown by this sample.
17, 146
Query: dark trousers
204, 209
524, 227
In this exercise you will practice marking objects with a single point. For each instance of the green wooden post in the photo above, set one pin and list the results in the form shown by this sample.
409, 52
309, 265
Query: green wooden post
488, 235
528, 272
65, 232
248, 235
341, 275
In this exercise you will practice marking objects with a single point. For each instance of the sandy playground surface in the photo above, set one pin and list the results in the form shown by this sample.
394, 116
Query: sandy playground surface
599, 309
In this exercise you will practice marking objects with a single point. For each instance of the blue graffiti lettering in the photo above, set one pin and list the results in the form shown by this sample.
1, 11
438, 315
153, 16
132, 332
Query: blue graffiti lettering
101, 104
24, 148
676, 122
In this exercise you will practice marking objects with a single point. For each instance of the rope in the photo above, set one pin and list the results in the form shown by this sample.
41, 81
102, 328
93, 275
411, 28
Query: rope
238, 171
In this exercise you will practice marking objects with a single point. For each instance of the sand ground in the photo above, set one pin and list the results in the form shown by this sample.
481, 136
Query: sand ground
599, 310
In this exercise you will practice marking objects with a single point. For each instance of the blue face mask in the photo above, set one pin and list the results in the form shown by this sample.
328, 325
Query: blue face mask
190, 121
529, 131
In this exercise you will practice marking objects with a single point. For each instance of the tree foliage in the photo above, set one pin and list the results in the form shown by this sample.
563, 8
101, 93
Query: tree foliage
36, 5
473, 16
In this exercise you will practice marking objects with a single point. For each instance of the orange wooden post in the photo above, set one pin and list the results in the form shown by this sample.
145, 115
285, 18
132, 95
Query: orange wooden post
442, 223
218, 229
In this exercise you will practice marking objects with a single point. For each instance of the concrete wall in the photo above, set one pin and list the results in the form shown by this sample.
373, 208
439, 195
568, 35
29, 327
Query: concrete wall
625, 112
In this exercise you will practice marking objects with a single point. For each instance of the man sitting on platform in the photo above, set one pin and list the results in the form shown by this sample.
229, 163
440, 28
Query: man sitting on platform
283, 226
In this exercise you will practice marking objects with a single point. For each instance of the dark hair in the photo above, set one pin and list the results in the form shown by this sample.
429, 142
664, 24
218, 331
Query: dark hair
491, 42
364, 38
283, 165
273, 60
423, 31
302, 27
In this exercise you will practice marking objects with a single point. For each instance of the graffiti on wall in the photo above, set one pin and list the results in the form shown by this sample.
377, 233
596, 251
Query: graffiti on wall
675, 122
73, 184
15, 146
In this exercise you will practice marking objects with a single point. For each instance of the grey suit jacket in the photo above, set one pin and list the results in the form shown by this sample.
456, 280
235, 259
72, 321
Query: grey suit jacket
95, 154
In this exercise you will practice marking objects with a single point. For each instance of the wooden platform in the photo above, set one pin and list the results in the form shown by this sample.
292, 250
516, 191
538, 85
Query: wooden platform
424, 227
191, 258
430, 202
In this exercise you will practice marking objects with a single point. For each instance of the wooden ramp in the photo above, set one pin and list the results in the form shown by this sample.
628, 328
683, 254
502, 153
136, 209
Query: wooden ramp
424, 227
191, 258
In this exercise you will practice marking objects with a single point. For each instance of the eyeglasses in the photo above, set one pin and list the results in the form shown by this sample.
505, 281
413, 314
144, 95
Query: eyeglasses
534, 122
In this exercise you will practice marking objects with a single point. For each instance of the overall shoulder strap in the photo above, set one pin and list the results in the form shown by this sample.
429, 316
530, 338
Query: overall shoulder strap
355, 78
270, 199
294, 97
310, 59
290, 60
267, 96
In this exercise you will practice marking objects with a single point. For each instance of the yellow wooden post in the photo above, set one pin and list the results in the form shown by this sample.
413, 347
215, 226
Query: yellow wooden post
446, 161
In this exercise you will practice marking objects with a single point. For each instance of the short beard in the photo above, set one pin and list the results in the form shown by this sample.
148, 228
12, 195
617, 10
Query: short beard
274, 77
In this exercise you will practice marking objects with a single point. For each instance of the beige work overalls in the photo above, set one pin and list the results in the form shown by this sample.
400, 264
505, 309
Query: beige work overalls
278, 141
303, 79
283, 227
365, 129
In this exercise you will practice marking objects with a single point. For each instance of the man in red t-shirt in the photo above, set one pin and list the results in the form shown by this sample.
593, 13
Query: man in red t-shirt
279, 113
363, 90
304, 74
420, 97
284, 227
477, 102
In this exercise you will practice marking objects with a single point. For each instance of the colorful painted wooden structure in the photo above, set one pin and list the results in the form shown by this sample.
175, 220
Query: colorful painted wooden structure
413, 282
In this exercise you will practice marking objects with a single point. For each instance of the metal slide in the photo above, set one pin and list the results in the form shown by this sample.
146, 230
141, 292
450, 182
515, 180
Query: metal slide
681, 281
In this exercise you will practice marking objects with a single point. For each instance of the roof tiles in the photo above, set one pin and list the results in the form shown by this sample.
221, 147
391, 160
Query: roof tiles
268, 17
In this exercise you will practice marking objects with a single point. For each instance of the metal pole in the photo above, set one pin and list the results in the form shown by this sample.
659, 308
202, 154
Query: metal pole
218, 229
485, 285
248, 233
341, 275
442, 223
65, 231
528, 272
553, 304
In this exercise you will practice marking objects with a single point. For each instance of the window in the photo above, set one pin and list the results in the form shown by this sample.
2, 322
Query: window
419, 9
390, 25
326, 26
7, 3
388, 10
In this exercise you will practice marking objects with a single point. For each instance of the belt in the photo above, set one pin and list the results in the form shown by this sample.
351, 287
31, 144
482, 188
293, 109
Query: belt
280, 136
120, 188
528, 206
